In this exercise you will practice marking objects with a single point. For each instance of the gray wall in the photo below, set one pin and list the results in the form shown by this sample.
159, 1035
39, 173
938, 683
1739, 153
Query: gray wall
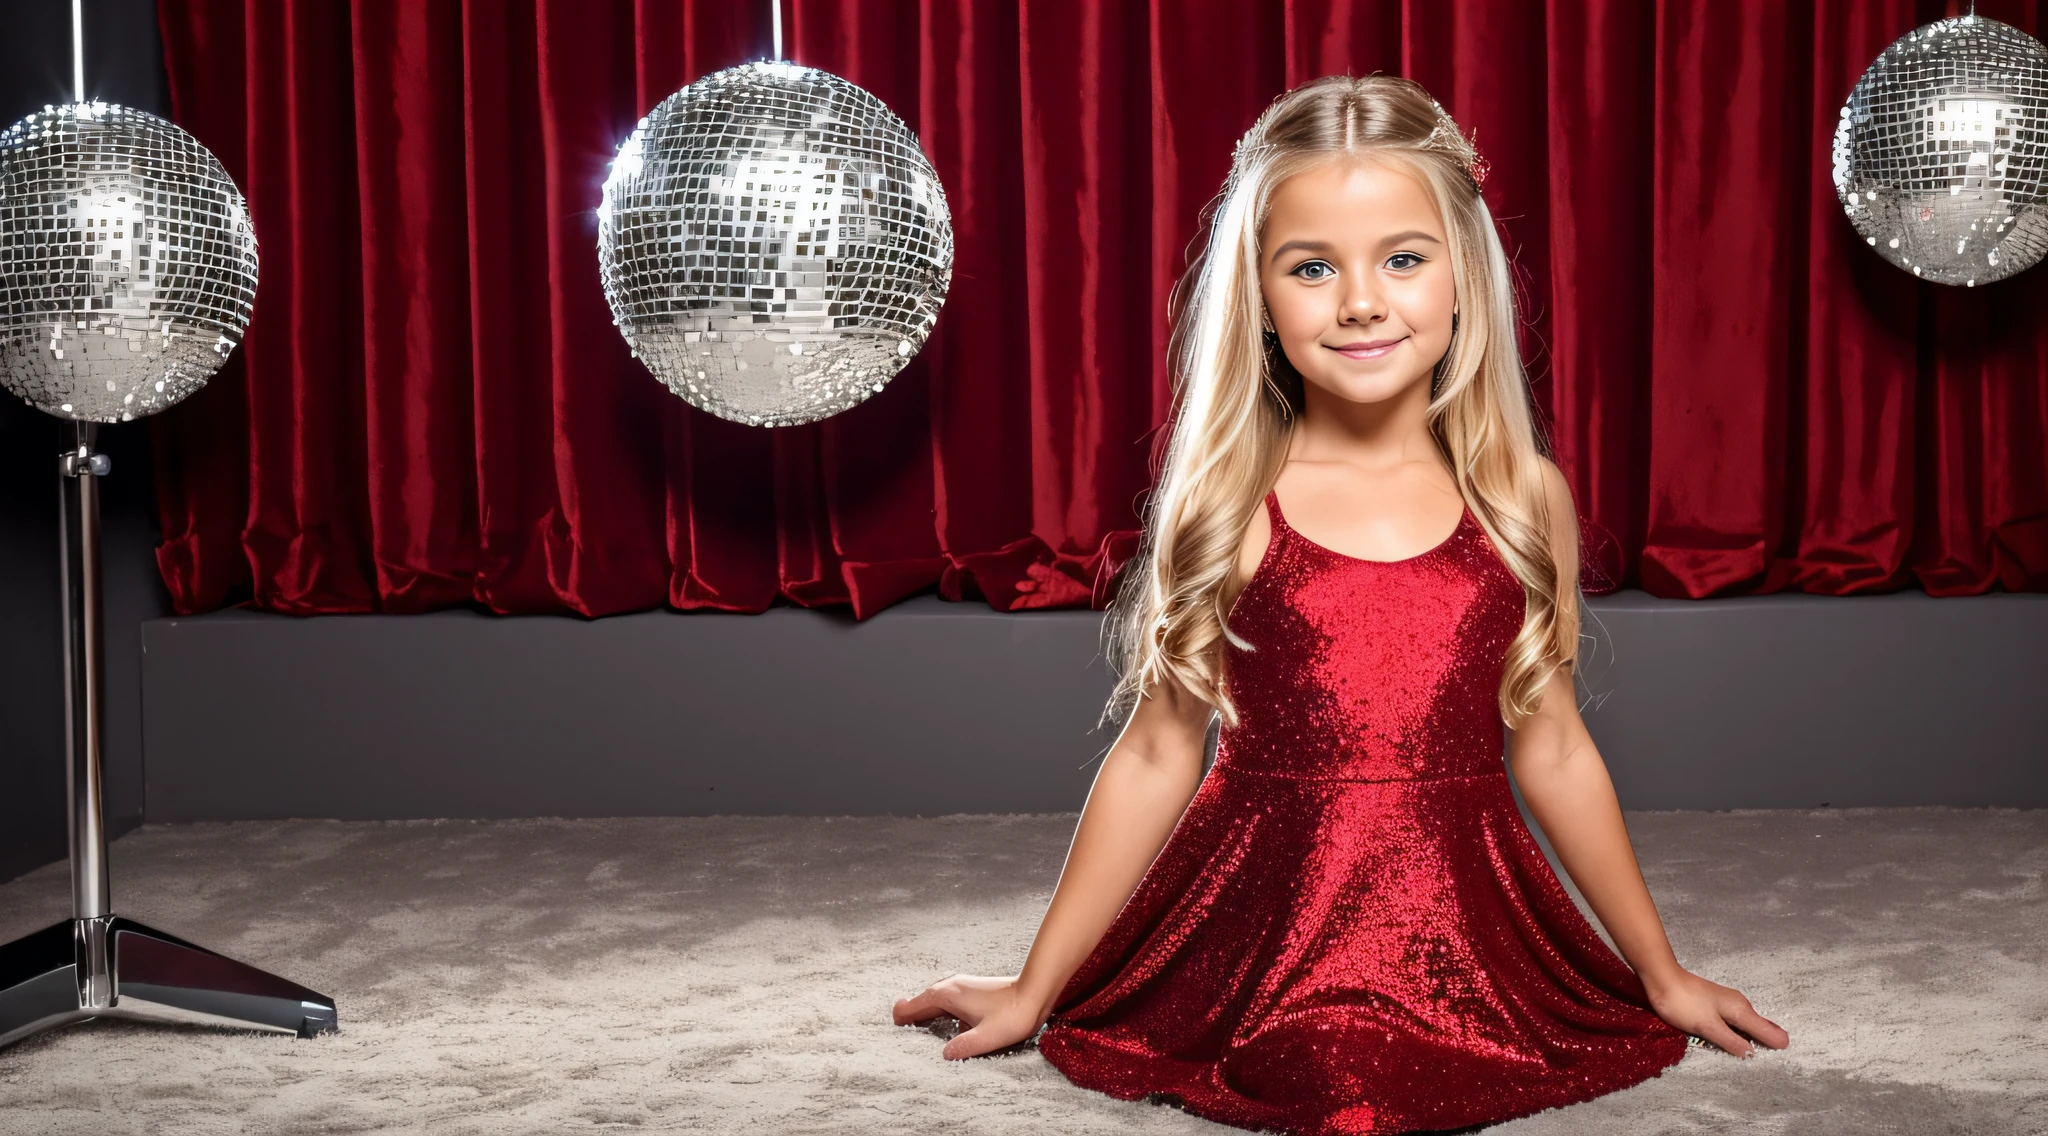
124, 64
930, 707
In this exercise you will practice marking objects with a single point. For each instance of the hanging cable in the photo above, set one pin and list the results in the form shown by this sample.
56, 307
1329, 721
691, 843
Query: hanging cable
78, 49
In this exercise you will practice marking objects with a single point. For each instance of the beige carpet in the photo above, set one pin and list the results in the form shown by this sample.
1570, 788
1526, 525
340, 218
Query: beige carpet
733, 974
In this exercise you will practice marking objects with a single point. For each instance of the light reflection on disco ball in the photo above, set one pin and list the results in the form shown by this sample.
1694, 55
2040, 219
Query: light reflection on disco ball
127, 262
1942, 151
773, 244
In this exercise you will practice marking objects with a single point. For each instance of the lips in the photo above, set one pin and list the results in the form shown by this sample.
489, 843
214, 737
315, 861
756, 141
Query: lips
1370, 349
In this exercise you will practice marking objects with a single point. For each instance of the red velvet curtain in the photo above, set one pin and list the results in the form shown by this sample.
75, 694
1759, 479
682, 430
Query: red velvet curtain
432, 406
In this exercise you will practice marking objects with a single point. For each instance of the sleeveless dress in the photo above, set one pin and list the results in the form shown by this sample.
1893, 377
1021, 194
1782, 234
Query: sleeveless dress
1350, 929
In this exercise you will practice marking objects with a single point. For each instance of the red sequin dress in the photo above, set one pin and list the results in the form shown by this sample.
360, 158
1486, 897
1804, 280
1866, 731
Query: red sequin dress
1351, 929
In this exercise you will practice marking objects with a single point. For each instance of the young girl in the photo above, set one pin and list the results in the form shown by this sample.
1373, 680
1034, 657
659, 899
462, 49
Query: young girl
1357, 554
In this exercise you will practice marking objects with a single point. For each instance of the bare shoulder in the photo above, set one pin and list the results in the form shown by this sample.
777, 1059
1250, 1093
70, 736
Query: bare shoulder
1563, 518
1557, 714
1557, 489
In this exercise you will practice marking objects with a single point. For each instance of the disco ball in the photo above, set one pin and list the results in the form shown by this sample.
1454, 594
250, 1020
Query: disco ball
773, 244
127, 262
1942, 152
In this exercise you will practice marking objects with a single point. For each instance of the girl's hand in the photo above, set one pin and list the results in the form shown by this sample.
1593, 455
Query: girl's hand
1714, 1012
997, 1014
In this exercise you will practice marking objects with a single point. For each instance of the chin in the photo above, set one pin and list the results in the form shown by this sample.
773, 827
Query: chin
1376, 389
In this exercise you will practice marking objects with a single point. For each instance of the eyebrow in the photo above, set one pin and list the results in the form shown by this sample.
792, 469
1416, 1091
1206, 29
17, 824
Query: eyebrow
1323, 246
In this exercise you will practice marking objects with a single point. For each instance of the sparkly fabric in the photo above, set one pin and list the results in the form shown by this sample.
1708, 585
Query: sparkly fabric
1351, 929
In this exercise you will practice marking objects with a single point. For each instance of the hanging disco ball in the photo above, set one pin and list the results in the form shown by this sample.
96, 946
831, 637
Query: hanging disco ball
1941, 154
127, 262
773, 244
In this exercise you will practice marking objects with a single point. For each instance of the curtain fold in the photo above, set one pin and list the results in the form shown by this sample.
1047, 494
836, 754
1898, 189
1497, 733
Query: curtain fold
432, 408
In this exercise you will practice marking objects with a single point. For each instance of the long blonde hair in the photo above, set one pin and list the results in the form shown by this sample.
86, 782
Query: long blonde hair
1235, 403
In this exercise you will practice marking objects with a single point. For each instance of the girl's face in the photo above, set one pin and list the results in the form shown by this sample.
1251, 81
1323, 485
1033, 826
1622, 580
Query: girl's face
1357, 279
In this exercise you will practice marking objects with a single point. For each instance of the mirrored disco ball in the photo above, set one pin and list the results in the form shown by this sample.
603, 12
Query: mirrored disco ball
774, 244
127, 262
1942, 152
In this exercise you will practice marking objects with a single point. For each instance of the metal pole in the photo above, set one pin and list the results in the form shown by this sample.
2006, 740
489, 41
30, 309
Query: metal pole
79, 518
79, 470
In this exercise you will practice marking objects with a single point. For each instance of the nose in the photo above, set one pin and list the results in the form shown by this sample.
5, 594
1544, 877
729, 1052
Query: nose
1361, 299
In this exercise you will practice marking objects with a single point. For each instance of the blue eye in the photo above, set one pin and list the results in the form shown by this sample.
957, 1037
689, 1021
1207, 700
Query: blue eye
1410, 255
1302, 270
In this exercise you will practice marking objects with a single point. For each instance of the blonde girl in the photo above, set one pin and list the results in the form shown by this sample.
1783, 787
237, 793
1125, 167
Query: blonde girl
1344, 925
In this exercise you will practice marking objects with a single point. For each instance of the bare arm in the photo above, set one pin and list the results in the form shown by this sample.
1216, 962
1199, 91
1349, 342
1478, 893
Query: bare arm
1144, 786
1566, 784
1567, 787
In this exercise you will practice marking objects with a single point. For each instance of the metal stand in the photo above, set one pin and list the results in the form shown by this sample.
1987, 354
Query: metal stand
97, 964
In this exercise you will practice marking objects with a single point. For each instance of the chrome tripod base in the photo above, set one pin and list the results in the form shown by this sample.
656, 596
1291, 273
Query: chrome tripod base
97, 964
110, 967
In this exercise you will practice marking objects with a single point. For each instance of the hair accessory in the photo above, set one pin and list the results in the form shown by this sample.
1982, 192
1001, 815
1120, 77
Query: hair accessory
1447, 136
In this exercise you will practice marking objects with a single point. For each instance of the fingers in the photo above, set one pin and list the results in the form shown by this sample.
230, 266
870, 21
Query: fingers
937, 1000
968, 1043
1744, 1017
1727, 1039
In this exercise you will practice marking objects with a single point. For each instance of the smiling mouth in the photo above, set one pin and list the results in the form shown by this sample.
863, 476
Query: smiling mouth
1360, 351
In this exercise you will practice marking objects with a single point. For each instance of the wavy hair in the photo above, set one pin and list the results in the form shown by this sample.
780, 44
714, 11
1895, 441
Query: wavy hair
1235, 402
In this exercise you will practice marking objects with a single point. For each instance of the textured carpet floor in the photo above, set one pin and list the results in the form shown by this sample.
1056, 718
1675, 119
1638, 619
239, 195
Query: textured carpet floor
733, 974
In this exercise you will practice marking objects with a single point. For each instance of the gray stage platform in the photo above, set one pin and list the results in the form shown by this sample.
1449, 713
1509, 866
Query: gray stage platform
934, 707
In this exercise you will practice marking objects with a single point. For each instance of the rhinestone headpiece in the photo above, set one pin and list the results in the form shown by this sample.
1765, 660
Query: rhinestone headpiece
1447, 136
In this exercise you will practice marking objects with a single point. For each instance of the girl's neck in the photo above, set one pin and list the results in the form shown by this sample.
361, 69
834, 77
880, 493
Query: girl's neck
1369, 435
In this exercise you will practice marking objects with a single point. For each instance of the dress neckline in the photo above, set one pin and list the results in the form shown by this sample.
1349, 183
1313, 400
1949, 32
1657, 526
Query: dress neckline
1280, 520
